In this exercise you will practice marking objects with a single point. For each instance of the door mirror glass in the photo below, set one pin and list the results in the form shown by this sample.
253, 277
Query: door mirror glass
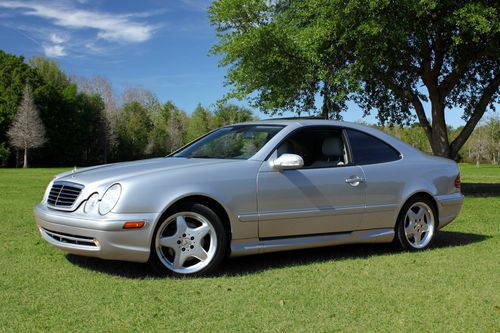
288, 161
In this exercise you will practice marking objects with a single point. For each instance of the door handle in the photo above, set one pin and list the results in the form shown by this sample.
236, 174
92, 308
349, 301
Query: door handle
354, 180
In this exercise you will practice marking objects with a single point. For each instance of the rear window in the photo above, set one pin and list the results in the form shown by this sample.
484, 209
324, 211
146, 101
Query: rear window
367, 149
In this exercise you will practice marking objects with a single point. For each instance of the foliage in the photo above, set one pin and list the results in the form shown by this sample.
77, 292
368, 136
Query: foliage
101, 86
4, 154
14, 74
285, 54
27, 130
484, 143
201, 122
228, 114
358, 288
413, 135
133, 131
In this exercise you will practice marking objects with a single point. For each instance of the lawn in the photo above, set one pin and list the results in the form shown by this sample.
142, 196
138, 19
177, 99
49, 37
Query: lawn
454, 287
484, 173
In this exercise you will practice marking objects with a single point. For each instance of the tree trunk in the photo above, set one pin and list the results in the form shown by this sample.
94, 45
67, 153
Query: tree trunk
325, 112
25, 164
439, 143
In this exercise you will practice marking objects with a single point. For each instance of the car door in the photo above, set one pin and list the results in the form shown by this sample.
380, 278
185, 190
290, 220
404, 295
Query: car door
326, 195
381, 164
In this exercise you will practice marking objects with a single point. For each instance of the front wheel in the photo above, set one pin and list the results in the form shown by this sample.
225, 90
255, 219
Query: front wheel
191, 241
417, 224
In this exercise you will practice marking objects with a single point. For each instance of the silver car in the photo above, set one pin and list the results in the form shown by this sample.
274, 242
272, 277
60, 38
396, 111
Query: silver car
253, 188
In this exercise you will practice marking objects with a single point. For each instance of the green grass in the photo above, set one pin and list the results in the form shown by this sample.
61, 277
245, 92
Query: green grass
454, 287
484, 173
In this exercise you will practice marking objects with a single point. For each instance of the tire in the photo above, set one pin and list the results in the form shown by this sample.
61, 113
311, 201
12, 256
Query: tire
191, 241
417, 224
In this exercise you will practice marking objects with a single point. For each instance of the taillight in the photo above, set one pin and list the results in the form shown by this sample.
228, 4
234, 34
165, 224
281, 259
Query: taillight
458, 182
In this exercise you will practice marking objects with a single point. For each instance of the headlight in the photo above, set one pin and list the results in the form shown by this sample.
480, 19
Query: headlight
109, 199
91, 203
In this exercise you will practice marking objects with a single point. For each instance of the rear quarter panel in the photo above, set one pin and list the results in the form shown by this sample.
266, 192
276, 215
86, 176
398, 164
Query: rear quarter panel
390, 185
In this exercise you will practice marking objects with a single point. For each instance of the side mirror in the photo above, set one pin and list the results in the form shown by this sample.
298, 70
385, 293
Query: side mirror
288, 161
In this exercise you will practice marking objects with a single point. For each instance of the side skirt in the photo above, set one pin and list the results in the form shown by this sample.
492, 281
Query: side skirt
255, 246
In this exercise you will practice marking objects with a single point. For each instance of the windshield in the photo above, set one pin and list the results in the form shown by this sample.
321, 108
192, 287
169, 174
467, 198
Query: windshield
233, 142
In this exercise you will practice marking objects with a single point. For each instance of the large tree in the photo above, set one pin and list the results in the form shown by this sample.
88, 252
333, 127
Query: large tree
27, 130
387, 55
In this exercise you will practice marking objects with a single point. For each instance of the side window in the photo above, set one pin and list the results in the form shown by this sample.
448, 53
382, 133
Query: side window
318, 147
367, 149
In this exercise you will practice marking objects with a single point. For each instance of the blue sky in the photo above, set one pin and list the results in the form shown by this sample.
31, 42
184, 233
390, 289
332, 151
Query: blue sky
161, 45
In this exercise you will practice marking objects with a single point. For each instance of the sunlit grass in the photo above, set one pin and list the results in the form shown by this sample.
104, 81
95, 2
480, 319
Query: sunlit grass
484, 173
450, 288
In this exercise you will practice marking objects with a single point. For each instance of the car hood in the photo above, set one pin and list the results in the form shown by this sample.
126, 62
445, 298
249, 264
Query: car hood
109, 173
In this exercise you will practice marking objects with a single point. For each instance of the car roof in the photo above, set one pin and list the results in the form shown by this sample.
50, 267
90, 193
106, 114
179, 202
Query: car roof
401, 146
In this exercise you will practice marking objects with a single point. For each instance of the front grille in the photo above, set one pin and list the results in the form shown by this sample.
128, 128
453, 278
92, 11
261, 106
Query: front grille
64, 194
70, 239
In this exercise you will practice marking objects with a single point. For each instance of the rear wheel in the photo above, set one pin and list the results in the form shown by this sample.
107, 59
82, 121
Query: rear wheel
190, 241
417, 224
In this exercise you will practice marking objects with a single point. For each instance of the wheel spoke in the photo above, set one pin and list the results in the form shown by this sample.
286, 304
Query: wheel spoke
417, 236
181, 225
200, 253
411, 215
425, 227
409, 227
420, 214
201, 231
170, 241
179, 259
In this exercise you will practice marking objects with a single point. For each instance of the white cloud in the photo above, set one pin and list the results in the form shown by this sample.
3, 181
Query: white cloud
54, 50
111, 27
57, 39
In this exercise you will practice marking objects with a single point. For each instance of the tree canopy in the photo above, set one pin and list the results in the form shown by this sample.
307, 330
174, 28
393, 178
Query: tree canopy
387, 55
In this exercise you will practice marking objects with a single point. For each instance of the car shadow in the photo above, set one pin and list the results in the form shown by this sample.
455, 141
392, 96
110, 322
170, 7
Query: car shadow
262, 262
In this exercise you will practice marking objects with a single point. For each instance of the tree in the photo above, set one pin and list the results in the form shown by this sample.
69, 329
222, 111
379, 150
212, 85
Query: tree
379, 53
134, 127
484, 143
177, 129
102, 87
492, 128
200, 123
14, 73
228, 114
27, 130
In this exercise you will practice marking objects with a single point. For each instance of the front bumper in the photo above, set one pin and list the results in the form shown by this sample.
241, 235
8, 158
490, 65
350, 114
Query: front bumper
102, 237
449, 206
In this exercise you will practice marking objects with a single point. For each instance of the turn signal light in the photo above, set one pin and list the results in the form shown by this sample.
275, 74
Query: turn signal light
133, 225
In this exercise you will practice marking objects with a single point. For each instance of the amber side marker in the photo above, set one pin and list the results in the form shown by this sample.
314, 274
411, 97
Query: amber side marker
133, 225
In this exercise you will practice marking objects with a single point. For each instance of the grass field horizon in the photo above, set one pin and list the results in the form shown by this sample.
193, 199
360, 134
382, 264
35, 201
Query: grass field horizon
451, 287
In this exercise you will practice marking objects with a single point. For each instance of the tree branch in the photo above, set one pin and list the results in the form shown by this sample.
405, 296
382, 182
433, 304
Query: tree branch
459, 68
410, 96
479, 111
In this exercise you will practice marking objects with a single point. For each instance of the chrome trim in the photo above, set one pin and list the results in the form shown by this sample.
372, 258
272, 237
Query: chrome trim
65, 197
314, 212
